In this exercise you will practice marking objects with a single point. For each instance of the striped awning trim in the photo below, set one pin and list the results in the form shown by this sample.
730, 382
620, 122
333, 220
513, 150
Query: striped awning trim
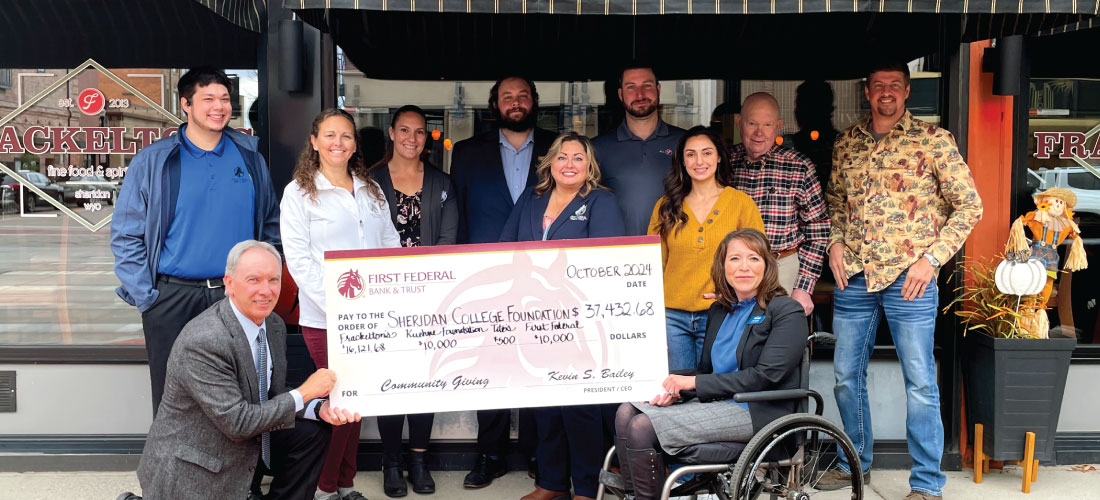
657, 7
248, 14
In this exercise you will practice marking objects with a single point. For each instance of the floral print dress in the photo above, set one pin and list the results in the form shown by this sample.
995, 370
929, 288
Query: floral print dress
408, 218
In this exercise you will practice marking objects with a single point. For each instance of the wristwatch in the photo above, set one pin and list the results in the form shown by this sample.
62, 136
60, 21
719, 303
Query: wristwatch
931, 260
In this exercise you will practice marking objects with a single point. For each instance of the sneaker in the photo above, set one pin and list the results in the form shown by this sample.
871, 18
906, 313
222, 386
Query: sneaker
320, 495
835, 479
485, 471
920, 495
353, 495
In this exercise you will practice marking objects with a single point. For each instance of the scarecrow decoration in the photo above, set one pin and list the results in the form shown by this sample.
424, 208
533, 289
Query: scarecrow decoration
1049, 225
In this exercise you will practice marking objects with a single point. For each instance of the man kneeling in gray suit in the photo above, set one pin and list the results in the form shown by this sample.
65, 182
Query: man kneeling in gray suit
226, 410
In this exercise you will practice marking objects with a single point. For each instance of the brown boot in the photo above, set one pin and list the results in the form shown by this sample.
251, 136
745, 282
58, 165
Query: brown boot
541, 493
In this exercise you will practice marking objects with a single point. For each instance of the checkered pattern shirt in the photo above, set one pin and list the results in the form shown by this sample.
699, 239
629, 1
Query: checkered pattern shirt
785, 188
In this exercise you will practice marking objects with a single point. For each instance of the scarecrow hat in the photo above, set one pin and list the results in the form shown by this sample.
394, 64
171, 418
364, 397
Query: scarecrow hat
1059, 193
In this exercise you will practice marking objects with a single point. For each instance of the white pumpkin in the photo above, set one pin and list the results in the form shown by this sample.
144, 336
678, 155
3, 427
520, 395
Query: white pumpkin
1020, 278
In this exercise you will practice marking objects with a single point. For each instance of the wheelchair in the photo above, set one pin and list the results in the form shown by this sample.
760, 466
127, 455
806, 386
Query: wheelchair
783, 460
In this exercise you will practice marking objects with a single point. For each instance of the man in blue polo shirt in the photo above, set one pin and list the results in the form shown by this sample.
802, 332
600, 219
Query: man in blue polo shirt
635, 157
186, 200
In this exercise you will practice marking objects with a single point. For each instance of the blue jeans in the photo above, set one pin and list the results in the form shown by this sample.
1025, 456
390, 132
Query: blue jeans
685, 330
856, 316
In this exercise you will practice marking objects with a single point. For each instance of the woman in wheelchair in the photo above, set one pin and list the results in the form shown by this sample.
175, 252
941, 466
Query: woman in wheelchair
755, 340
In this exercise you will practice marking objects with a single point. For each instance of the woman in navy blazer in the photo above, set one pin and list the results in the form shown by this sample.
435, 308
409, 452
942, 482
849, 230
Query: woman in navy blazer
567, 202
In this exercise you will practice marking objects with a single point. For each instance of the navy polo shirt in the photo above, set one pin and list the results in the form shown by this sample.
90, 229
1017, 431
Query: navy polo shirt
213, 211
634, 169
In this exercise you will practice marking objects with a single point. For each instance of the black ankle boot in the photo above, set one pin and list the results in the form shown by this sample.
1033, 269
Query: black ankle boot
647, 472
419, 475
393, 479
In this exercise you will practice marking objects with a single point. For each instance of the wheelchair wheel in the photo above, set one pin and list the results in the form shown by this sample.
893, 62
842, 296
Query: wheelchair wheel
759, 470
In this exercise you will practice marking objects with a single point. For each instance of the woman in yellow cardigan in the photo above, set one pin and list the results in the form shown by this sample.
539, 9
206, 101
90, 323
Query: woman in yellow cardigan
699, 208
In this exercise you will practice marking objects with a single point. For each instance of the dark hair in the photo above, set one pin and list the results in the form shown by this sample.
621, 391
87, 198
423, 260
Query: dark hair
309, 161
200, 77
769, 284
678, 184
636, 64
545, 180
886, 64
494, 95
408, 108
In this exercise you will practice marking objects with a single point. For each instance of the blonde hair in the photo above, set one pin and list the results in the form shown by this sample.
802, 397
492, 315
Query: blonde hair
542, 171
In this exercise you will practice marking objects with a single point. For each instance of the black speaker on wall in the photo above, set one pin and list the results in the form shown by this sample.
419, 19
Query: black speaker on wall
292, 55
1005, 61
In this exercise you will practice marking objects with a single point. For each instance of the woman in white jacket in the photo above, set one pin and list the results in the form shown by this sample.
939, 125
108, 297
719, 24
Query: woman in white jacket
332, 204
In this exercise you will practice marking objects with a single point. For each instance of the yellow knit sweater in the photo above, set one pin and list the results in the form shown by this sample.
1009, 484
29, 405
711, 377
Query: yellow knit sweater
688, 252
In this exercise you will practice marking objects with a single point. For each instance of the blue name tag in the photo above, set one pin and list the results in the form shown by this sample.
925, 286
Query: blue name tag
756, 320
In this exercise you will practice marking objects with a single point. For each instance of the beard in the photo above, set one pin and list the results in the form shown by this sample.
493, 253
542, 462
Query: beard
642, 111
527, 122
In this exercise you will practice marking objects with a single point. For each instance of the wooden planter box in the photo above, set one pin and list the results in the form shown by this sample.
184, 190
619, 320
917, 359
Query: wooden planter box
1015, 386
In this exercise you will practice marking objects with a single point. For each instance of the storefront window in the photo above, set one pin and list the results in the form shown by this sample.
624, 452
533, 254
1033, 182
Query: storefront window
1063, 152
66, 139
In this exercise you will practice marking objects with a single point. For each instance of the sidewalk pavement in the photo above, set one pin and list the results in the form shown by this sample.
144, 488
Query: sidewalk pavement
1054, 483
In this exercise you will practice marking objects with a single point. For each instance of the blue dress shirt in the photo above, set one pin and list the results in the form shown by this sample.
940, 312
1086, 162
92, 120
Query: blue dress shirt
517, 162
251, 332
723, 352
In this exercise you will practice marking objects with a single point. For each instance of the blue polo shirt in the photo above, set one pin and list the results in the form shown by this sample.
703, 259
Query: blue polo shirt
213, 211
723, 351
634, 169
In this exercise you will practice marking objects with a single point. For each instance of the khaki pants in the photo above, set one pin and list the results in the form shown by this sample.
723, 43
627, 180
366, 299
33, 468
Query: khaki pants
788, 272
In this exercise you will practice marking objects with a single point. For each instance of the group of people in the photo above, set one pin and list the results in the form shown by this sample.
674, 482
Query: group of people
745, 233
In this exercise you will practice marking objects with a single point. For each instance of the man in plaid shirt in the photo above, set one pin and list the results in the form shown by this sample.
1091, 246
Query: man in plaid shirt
784, 185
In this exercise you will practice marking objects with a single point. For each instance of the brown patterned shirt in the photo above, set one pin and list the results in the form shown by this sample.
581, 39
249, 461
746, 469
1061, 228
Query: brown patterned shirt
894, 200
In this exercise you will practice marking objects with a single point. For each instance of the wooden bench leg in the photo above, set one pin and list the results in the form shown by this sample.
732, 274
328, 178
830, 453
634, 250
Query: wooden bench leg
979, 456
1029, 460
1035, 471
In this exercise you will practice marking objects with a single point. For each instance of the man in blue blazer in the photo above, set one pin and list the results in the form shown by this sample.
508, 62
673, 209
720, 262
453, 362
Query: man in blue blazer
489, 172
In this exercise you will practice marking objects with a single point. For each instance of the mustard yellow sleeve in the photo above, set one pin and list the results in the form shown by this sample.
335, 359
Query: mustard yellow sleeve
750, 214
655, 229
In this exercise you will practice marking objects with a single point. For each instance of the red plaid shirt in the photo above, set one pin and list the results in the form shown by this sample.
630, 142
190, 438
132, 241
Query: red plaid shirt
785, 188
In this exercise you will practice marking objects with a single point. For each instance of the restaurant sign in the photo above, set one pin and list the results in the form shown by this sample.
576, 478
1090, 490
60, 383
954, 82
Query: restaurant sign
72, 137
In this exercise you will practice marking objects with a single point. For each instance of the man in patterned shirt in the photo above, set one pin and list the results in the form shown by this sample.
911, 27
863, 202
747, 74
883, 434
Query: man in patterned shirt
902, 201
784, 185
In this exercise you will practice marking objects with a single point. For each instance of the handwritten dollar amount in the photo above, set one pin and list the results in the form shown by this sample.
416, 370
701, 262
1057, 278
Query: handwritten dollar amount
431, 345
618, 310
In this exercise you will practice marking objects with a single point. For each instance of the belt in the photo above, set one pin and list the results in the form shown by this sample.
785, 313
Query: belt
786, 253
205, 283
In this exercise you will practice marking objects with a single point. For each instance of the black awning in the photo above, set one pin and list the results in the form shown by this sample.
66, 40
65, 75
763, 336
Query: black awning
651, 7
122, 34
248, 14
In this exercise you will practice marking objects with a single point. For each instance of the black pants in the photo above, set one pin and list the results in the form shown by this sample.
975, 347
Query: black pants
493, 429
570, 449
420, 431
297, 455
176, 305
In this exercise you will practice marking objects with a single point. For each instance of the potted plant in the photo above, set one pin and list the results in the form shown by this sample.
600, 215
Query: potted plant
1013, 375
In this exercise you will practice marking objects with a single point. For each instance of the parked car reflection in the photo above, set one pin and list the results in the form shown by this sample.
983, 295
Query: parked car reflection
30, 198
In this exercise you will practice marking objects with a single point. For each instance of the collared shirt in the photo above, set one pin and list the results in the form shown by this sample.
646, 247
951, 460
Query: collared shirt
723, 351
214, 210
892, 201
634, 169
784, 185
517, 162
336, 220
252, 333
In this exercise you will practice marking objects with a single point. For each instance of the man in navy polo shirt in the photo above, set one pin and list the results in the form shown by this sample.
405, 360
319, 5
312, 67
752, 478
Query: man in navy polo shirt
186, 200
636, 156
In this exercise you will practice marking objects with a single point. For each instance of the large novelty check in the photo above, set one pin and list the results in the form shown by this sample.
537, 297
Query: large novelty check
503, 325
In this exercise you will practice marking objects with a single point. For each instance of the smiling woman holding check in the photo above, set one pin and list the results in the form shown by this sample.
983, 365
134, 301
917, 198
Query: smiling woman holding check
754, 342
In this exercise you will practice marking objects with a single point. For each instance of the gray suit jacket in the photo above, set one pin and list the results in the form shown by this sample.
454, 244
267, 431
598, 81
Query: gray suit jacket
438, 216
205, 442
